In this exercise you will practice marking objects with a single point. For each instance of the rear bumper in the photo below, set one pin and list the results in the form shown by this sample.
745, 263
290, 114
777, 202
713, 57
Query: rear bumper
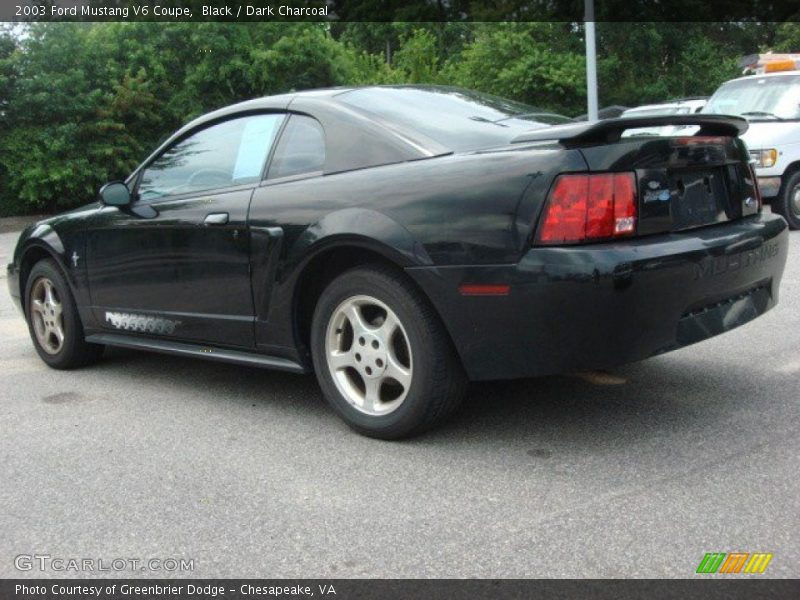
596, 306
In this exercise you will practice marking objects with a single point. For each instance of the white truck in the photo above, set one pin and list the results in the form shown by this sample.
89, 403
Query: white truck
770, 101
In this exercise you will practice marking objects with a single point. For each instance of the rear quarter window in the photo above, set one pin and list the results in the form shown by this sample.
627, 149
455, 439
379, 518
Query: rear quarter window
300, 150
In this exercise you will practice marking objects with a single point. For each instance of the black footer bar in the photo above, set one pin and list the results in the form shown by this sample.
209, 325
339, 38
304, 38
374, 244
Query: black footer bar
367, 589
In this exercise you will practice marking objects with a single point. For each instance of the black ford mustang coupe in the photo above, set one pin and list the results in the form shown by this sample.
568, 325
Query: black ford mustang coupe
400, 241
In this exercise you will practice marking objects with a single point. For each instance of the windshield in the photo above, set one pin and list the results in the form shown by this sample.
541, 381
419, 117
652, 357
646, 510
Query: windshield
758, 98
458, 119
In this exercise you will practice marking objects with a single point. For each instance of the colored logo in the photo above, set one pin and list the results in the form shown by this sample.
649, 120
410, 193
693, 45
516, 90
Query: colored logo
734, 562
655, 193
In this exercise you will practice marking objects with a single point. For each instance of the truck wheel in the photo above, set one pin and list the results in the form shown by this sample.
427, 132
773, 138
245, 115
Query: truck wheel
787, 204
53, 319
382, 357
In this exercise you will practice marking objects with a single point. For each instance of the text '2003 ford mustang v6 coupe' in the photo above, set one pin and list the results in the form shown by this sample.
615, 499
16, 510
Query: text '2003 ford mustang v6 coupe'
400, 241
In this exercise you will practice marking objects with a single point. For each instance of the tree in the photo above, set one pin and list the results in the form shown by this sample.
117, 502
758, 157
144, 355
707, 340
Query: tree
83, 103
655, 62
537, 63
787, 37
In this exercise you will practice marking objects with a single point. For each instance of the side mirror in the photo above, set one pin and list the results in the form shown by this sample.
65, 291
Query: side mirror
115, 193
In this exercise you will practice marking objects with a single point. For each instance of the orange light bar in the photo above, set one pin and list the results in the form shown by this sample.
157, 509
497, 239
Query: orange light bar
773, 66
484, 289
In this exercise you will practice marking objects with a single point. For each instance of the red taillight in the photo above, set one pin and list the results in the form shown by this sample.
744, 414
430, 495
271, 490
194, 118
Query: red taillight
699, 140
584, 207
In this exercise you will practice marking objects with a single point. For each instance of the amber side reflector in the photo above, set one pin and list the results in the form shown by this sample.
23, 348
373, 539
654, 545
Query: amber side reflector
483, 289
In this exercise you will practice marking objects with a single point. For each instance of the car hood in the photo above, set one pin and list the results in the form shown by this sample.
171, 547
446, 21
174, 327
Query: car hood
763, 134
69, 215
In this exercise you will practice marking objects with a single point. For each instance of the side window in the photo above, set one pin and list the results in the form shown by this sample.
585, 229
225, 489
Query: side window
301, 148
229, 153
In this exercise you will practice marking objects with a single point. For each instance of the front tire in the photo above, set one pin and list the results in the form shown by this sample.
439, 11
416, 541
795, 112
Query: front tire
53, 319
382, 357
787, 203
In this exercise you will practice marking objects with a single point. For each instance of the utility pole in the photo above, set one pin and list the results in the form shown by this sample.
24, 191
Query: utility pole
591, 61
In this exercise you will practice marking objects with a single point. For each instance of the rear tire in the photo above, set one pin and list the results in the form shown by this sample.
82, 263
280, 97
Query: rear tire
382, 357
787, 203
53, 319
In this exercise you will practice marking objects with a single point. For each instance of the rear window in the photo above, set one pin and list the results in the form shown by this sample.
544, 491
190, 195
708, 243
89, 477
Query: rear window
460, 120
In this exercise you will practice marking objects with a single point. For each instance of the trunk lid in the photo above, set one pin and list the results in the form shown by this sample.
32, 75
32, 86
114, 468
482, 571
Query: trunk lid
682, 182
693, 180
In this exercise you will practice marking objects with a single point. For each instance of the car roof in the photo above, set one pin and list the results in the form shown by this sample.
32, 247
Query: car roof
368, 141
364, 140
276, 101
759, 76
284, 101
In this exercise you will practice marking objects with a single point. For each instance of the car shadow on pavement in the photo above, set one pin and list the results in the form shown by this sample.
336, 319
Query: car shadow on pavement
665, 401
664, 396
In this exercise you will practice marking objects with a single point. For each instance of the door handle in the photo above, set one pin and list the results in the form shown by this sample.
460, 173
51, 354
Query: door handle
216, 219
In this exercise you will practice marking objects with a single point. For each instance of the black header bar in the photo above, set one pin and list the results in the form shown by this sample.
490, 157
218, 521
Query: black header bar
397, 10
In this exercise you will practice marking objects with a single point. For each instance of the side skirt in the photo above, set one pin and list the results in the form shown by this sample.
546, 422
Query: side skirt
236, 357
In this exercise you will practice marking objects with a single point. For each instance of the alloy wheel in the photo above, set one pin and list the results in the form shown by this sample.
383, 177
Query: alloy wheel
47, 315
369, 355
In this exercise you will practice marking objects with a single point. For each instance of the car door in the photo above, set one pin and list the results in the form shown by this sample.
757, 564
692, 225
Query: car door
175, 263
280, 209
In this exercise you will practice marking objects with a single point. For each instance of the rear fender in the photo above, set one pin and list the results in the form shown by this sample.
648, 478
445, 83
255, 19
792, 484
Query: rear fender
348, 228
360, 227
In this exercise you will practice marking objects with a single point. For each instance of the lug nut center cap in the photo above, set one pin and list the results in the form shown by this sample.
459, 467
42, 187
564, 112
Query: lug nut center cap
371, 351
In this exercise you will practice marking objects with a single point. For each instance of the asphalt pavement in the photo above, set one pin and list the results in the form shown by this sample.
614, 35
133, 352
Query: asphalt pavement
249, 474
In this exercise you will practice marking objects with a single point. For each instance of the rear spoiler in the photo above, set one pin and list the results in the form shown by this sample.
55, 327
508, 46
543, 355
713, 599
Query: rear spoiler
610, 130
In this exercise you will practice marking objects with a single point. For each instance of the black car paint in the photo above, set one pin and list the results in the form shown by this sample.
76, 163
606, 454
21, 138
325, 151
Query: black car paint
601, 305
445, 218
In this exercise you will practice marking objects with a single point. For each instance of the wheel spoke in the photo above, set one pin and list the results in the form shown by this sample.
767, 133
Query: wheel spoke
388, 327
353, 313
49, 294
398, 372
37, 306
340, 360
59, 334
371, 394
